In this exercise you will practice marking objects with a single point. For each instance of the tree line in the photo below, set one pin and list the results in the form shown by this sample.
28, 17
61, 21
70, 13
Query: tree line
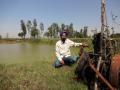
116, 35
52, 32
55, 29
31, 28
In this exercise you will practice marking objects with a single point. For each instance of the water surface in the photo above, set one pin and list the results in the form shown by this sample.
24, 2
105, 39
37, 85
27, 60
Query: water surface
25, 52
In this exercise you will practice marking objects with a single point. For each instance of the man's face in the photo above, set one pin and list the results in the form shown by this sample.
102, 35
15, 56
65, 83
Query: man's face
63, 37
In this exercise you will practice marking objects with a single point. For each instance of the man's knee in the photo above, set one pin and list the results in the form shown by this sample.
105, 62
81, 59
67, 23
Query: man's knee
75, 58
57, 64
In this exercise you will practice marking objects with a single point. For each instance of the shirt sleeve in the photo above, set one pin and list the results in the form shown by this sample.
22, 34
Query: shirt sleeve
74, 43
58, 53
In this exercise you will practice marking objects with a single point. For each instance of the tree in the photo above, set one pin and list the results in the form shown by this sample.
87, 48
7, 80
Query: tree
85, 31
23, 28
29, 25
47, 34
54, 30
62, 27
116, 35
81, 31
50, 31
68, 28
35, 23
71, 29
78, 34
41, 28
34, 32
21, 34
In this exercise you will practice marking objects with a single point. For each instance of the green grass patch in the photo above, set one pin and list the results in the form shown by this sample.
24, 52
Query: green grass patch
40, 75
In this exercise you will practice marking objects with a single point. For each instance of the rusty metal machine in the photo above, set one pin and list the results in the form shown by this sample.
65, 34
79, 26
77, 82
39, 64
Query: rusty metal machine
100, 69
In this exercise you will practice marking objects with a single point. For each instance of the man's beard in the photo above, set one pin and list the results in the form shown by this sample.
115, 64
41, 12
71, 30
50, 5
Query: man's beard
63, 40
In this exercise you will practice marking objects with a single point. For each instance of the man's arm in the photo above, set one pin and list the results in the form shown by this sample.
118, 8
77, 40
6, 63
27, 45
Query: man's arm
74, 43
58, 54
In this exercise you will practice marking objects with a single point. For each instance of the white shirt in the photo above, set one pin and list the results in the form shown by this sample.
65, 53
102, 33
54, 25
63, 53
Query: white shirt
63, 49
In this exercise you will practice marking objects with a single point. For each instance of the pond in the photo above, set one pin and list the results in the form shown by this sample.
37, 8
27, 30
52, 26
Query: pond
25, 52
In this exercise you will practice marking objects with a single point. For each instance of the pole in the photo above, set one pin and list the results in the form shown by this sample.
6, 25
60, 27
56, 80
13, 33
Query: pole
103, 25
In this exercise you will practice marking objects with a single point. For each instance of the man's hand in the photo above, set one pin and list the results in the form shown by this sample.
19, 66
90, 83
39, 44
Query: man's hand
62, 62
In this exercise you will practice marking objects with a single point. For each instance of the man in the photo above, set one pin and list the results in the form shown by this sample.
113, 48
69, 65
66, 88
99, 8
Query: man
63, 51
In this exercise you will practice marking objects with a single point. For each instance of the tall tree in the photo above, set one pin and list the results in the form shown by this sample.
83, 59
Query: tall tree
85, 31
34, 30
50, 31
41, 28
35, 23
29, 26
54, 30
81, 31
23, 27
62, 27
71, 30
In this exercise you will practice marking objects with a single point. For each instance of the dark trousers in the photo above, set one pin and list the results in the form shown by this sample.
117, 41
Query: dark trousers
67, 60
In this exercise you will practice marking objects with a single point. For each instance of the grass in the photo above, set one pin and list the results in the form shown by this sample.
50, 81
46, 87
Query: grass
40, 75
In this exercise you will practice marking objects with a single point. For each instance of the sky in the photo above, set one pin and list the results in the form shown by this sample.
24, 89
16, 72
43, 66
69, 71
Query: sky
80, 12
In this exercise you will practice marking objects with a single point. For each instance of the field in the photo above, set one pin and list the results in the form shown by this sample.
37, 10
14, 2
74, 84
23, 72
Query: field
29, 66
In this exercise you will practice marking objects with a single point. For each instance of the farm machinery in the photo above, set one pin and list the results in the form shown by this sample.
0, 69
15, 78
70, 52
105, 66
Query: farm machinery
100, 69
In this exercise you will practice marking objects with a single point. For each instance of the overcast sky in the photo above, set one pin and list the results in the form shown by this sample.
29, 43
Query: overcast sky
80, 12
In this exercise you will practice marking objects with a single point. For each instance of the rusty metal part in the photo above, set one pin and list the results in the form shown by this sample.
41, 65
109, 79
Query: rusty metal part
101, 77
115, 71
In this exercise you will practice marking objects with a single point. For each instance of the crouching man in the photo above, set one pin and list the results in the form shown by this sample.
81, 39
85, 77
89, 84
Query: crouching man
63, 51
